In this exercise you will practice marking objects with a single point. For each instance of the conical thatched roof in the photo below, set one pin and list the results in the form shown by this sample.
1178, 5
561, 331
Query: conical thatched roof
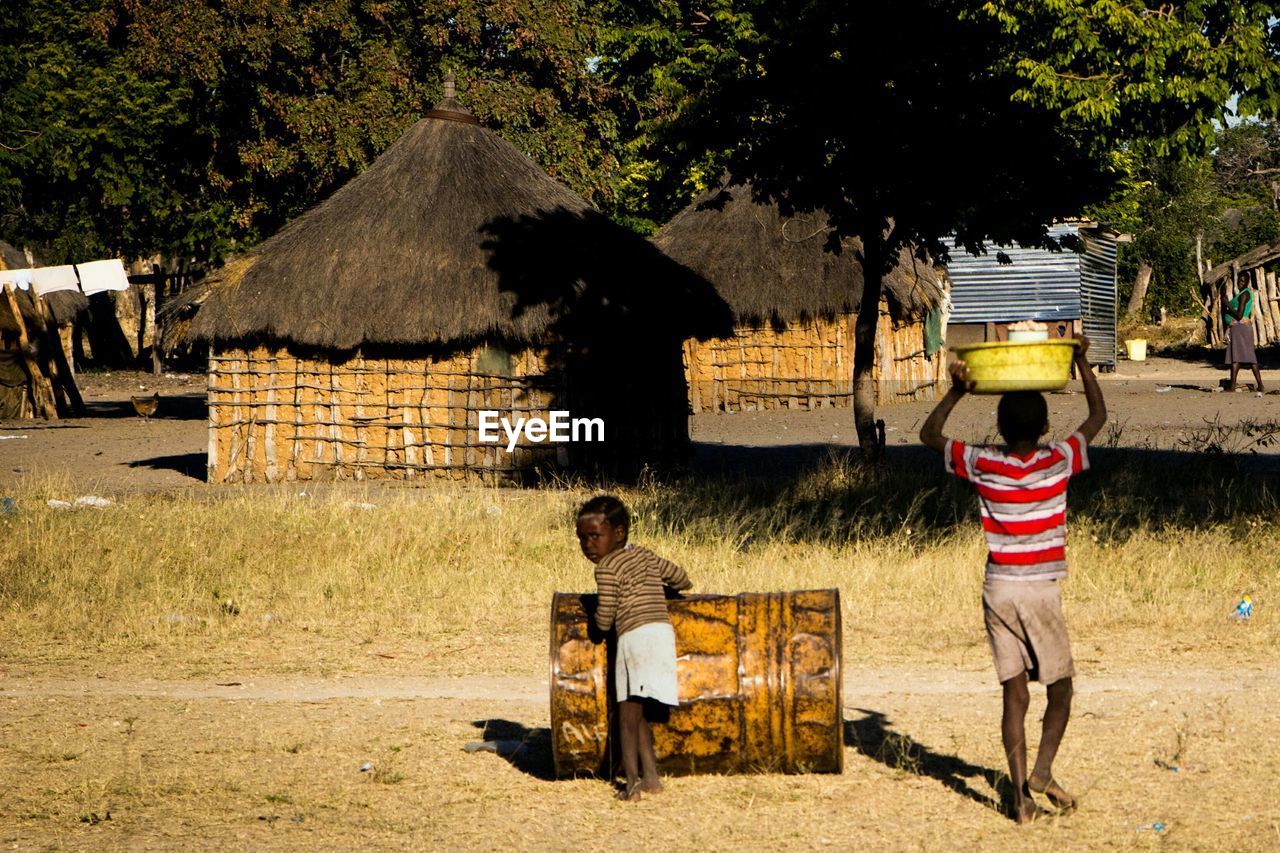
775, 268
451, 235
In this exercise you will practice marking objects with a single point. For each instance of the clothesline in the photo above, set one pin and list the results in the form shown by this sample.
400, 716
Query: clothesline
87, 278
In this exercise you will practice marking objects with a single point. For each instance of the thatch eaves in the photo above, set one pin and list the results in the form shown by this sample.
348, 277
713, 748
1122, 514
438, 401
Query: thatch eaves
775, 268
447, 237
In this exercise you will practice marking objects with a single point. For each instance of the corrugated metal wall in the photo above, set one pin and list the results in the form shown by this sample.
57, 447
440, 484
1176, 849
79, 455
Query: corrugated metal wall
1038, 285
1042, 285
1098, 295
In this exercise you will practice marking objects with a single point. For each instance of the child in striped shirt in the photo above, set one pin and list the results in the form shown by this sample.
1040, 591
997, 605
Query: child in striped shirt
632, 602
1022, 495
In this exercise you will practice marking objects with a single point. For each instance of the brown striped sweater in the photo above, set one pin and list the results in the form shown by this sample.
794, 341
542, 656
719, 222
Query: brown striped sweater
630, 582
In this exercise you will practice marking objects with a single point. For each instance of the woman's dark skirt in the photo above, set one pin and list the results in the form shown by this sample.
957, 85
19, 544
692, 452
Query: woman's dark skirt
1240, 344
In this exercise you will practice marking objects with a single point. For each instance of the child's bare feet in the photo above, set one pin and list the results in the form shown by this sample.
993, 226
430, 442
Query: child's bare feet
1026, 810
1062, 801
651, 786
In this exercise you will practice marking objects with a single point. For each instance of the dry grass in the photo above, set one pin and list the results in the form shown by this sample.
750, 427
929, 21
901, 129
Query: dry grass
458, 582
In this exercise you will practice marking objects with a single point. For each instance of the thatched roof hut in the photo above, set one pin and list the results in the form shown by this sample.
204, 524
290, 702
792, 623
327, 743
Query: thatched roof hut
771, 267
410, 251
452, 253
794, 291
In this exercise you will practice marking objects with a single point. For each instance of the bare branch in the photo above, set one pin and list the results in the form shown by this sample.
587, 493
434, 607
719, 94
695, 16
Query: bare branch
36, 136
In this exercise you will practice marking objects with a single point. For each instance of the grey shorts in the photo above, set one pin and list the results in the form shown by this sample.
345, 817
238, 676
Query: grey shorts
1026, 630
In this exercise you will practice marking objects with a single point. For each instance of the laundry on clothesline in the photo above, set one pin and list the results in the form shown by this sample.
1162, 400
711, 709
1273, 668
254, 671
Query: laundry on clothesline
46, 280
89, 278
20, 279
99, 276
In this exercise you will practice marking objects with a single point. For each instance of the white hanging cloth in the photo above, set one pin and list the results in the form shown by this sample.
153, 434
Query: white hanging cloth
21, 279
45, 280
97, 276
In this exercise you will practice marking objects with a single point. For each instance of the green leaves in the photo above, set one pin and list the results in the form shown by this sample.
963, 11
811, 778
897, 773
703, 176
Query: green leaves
1155, 78
192, 126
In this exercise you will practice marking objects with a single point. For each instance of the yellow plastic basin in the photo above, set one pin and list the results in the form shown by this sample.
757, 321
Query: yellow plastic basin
999, 366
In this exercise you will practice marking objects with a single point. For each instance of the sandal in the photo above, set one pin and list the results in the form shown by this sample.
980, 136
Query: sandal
1056, 794
630, 793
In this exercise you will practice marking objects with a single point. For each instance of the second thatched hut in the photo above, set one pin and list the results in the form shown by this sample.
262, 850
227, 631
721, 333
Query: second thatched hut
450, 282
794, 302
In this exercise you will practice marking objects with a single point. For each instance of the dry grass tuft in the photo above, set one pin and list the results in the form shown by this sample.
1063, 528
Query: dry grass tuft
460, 580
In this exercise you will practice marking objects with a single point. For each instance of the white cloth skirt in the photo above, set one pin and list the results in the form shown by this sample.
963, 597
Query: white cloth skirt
645, 665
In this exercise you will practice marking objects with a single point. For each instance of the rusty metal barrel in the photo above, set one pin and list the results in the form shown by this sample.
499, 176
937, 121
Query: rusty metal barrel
759, 686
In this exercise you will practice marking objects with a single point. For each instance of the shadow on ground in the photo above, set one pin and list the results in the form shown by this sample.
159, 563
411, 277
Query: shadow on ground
528, 750
179, 407
772, 462
193, 465
1220, 474
1268, 356
872, 736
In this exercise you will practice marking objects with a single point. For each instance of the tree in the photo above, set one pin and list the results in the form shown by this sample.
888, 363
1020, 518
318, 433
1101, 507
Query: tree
1246, 179
982, 120
657, 55
83, 135
1166, 204
191, 127
1246, 164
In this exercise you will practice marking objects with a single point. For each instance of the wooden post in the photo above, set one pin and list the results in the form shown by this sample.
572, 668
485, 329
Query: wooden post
41, 390
1273, 300
61, 381
1261, 327
1261, 309
159, 280
62, 376
1219, 291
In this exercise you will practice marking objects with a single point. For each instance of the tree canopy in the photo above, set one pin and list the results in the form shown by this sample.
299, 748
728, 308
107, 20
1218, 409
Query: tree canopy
190, 126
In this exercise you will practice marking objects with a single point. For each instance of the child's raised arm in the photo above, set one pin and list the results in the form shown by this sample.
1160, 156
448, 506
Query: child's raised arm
1092, 394
931, 433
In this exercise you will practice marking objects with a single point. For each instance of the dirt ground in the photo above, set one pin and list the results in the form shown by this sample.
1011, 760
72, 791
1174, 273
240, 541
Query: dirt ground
293, 764
1156, 403
113, 450
254, 760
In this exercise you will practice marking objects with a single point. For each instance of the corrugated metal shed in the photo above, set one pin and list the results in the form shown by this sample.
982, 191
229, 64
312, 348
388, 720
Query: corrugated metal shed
1043, 285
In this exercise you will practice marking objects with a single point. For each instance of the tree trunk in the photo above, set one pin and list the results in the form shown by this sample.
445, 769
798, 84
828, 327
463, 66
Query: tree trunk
1140, 285
864, 342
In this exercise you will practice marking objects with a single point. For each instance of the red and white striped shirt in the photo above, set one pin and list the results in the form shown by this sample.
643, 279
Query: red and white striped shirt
1024, 504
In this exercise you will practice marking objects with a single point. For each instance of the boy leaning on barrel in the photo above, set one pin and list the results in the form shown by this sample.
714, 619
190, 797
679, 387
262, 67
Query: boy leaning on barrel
1022, 495
632, 602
